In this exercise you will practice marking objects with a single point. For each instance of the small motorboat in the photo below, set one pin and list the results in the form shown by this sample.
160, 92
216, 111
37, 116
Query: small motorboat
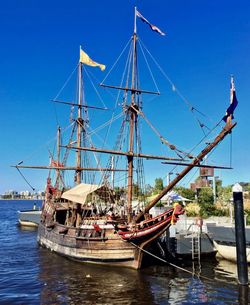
29, 218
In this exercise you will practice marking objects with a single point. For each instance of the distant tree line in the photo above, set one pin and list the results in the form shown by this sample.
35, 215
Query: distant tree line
204, 197
9, 196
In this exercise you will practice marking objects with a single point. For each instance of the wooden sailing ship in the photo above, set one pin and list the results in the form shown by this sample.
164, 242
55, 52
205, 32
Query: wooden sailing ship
73, 224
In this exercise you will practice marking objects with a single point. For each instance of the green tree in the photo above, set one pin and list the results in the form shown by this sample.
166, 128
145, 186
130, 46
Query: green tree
224, 194
158, 185
206, 201
185, 192
245, 186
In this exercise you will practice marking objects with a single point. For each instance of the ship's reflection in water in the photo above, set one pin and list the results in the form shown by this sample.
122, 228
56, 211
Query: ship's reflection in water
67, 282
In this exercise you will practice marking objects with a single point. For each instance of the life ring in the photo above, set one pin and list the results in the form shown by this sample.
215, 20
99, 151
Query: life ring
199, 222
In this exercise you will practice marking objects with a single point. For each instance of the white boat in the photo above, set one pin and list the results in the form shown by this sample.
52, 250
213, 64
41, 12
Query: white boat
223, 236
29, 218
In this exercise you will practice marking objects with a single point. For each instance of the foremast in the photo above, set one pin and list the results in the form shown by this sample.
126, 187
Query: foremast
58, 174
80, 125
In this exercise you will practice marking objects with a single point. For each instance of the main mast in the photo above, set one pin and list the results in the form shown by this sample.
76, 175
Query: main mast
132, 120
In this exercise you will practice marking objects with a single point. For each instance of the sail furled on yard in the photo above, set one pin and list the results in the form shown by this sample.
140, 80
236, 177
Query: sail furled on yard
233, 102
85, 59
152, 26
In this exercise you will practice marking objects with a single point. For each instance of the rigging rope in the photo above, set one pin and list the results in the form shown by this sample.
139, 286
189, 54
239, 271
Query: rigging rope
203, 138
88, 143
174, 88
60, 91
171, 264
118, 145
33, 189
139, 161
150, 71
116, 61
206, 136
163, 140
231, 148
190, 106
66, 82
114, 117
93, 85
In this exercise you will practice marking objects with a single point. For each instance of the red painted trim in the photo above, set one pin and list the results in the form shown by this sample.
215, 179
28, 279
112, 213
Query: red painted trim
147, 230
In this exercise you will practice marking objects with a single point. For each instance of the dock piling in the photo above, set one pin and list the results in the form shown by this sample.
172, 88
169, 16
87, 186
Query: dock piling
240, 235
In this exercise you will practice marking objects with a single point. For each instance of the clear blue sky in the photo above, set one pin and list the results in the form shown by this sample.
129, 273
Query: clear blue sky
206, 41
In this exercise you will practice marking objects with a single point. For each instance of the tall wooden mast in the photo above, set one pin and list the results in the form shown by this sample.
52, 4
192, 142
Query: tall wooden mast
78, 175
132, 119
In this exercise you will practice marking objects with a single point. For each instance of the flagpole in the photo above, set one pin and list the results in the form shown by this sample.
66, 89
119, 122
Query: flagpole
80, 48
135, 29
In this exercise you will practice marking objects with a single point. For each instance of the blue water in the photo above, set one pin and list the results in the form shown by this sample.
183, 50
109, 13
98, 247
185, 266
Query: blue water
30, 274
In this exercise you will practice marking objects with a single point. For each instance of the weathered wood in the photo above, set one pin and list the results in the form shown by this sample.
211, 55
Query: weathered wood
122, 153
70, 168
133, 90
82, 106
197, 165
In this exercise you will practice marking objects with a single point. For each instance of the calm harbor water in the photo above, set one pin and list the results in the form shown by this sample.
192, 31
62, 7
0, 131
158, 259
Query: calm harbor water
30, 274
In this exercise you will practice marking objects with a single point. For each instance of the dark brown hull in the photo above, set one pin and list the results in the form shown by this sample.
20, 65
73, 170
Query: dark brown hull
92, 247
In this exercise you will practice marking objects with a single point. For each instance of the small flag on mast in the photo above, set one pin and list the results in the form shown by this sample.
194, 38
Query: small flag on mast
85, 59
233, 102
153, 27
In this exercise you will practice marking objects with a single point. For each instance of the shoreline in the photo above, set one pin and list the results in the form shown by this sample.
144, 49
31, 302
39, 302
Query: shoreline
17, 199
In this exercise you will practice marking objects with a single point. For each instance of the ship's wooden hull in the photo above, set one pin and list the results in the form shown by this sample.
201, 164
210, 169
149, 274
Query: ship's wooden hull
92, 247
110, 250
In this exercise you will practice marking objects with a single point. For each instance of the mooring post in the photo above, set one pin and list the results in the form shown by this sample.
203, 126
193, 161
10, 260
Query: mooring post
240, 235
243, 294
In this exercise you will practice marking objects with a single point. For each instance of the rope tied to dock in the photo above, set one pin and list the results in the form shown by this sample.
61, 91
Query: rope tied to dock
173, 265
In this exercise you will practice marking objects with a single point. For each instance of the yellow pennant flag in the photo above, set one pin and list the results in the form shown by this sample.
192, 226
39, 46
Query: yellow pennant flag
85, 59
